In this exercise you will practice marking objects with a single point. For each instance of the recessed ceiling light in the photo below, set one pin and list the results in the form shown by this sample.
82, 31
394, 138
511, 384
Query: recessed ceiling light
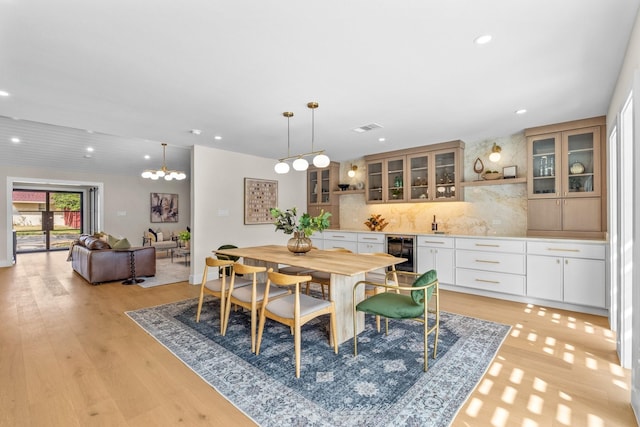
484, 39
4, 93
521, 111
15, 140
217, 137
90, 149
382, 139
147, 157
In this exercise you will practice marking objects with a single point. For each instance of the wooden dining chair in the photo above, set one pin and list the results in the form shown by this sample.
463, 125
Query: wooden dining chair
414, 305
217, 287
250, 297
323, 278
294, 310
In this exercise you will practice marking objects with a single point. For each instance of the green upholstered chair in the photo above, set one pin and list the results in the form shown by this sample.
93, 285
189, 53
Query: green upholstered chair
413, 301
227, 269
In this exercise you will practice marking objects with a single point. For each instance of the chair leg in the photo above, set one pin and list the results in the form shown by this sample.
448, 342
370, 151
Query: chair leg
254, 316
334, 333
355, 333
222, 307
426, 344
227, 311
296, 340
199, 305
260, 330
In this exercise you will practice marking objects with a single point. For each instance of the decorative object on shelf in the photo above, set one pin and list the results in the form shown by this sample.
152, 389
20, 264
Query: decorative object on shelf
352, 171
478, 167
168, 174
495, 153
360, 185
509, 172
576, 168
320, 159
287, 221
376, 222
343, 187
491, 175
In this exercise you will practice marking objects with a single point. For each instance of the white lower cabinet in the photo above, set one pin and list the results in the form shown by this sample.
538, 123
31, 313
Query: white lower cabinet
492, 265
573, 273
370, 243
437, 253
340, 239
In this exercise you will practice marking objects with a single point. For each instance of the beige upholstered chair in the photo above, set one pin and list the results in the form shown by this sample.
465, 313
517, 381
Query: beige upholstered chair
414, 305
217, 287
249, 297
294, 310
322, 278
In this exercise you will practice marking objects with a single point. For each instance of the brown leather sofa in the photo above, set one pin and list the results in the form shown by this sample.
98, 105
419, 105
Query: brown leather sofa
94, 260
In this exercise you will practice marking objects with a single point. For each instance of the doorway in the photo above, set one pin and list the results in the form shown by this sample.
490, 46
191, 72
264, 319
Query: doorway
46, 220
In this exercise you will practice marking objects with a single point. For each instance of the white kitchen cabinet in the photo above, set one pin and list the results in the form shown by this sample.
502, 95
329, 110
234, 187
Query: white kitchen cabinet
437, 253
494, 265
370, 243
340, 239
567, 272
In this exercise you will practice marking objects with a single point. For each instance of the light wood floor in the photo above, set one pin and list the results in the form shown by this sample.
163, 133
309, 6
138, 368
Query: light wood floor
69, 356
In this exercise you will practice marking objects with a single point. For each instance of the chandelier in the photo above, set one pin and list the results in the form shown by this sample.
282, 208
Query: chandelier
320, 159
163, 171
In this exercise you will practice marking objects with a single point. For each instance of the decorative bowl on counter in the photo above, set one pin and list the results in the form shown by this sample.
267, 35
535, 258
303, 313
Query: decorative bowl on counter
492, 175
343, 187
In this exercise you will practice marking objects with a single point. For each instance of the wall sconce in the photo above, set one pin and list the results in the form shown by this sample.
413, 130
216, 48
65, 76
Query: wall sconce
352, 171
495, 153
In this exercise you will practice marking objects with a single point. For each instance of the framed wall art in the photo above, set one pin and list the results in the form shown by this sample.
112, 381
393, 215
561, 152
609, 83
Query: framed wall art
164, 207
260, 195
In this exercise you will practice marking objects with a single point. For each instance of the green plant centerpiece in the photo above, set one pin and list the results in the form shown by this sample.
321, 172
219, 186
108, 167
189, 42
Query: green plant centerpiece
302, 229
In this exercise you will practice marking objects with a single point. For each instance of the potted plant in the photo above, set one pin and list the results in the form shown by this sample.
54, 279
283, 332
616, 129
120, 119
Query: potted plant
302, 229
185, 236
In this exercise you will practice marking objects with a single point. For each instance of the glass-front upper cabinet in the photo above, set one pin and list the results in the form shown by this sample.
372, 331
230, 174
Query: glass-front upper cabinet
319, 186
446, 170
374, 182
544, 150
565, 164
582, 162
395, 179
419, 178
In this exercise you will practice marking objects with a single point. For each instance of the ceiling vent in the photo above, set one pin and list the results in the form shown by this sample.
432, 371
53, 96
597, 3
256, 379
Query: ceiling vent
367, 128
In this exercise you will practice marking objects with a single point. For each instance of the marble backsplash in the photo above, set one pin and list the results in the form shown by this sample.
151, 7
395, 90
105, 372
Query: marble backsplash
494, 210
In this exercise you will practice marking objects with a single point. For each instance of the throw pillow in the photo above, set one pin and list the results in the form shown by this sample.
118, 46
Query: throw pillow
159, 237
153, 233
121, 244
96, 244
112, 240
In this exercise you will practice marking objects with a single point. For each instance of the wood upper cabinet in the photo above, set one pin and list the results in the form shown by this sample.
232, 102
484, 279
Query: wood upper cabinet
422, 174
320, 183
566, 179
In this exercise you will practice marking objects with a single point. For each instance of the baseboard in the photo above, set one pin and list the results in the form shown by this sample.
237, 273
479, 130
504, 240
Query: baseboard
6, 263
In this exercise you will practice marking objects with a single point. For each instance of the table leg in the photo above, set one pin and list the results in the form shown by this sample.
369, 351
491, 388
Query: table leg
341, 293
132, 265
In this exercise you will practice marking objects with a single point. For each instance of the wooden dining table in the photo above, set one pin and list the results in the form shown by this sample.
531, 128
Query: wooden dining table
346, 270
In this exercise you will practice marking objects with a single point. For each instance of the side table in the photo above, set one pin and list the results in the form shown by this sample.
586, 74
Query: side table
132, 280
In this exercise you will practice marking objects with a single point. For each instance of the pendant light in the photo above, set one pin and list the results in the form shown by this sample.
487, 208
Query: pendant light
282, 166
168, 174
321, 160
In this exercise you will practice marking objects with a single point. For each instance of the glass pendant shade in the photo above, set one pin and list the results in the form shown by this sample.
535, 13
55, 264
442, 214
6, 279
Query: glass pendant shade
321, 161
494, 157
495, 153
300, 164
281, 167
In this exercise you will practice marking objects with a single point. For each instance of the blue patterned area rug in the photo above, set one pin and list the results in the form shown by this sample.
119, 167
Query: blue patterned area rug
384, 386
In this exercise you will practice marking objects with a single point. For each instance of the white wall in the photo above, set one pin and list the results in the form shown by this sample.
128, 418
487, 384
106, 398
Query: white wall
218, 202
628, 80
122, 194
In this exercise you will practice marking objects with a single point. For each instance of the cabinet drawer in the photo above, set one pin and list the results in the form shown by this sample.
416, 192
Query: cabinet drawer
569, 249
437, 241
368, 248
491, 261
494, 282
334, 244
370, 238
492, 245
340, 235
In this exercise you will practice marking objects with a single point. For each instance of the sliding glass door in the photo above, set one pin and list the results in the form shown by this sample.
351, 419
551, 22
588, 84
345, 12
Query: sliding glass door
46, 220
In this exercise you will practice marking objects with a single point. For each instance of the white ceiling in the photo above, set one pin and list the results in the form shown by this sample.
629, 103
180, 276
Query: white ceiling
150, 71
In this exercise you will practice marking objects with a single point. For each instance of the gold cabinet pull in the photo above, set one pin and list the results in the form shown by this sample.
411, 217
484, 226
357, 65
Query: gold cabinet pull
488, 281
563, 250
488, 261
488, 245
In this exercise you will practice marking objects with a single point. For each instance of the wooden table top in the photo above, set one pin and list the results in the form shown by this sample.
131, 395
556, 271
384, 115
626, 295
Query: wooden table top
328, 261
